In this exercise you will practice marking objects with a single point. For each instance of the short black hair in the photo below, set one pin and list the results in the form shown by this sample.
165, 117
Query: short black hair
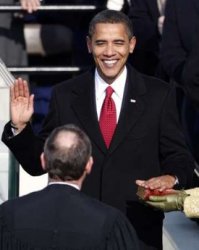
111, 16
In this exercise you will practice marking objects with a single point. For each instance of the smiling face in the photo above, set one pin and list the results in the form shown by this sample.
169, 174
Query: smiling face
110, 46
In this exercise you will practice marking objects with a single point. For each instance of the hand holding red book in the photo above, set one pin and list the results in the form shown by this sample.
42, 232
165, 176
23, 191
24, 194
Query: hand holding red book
167, 200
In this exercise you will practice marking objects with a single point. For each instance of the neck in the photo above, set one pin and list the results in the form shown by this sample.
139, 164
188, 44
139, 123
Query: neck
74, 182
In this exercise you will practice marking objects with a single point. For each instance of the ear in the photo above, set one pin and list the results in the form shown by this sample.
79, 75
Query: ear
43, 161
89, 165
89, 44
132, 44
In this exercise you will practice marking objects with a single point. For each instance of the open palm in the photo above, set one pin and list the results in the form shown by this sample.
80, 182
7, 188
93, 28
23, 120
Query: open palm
21, 105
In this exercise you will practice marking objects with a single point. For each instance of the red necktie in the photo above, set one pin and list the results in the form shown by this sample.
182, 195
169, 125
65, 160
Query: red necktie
107, 119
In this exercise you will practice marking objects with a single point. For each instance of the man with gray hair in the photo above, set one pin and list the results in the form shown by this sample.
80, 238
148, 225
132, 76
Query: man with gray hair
59, 216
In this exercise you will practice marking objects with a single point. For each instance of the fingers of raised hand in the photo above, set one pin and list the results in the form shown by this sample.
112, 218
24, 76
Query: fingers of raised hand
19, 89
30, 5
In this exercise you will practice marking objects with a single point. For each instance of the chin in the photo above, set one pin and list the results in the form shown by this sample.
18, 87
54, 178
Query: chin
109, 79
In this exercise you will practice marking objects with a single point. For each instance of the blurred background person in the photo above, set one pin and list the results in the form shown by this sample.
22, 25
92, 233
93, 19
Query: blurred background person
12, 42
179, 43
148, 18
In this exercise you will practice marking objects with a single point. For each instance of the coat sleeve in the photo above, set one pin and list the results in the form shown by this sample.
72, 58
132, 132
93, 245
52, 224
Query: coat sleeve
122, 235
175, 157
190, 74
27, 146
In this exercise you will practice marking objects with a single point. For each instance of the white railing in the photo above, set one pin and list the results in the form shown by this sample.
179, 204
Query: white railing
11, 8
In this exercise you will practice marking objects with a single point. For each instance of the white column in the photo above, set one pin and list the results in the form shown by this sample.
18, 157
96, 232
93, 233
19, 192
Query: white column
4, 152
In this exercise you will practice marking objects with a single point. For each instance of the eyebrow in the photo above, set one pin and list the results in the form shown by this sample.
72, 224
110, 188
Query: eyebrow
104, 40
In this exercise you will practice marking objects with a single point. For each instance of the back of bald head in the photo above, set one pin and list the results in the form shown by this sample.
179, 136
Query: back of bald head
67, 151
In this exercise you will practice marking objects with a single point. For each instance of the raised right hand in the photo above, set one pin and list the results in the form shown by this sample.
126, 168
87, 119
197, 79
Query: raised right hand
21, 104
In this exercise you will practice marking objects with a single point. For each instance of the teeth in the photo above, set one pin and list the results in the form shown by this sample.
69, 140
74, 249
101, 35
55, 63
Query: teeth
110, 63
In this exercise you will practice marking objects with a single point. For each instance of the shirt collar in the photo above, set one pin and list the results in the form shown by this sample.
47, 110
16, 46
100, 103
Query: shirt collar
118, 85
64, 183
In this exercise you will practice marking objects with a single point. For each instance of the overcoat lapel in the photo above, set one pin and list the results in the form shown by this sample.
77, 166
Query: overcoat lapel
132, 107
85, 108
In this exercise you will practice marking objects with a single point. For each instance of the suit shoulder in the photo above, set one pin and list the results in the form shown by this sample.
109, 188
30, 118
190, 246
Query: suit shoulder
141, 80
75, 82
18, 200
160, 90
156, 82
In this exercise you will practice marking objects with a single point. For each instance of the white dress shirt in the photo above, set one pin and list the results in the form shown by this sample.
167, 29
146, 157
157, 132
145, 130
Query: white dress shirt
100, 91
64, 183
161, 6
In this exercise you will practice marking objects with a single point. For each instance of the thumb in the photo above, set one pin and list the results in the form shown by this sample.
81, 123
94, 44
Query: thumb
157, 198
140, 182
158, 205
31, 102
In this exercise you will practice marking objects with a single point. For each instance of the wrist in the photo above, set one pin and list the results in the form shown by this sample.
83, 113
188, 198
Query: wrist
14, 126
17, 127
175, 179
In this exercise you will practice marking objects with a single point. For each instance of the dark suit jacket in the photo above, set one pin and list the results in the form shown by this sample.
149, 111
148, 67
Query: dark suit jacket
179, 47
144, 15
61, 217
148, 142
190, 73
179, 35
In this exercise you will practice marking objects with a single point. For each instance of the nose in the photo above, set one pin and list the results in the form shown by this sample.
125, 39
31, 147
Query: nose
109, 50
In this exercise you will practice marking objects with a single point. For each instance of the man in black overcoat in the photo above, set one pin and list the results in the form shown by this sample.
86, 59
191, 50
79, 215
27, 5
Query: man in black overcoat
147, 17
179, 50
147, 146
60, 216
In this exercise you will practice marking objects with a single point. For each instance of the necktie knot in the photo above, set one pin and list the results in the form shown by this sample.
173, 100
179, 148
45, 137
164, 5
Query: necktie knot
109, 91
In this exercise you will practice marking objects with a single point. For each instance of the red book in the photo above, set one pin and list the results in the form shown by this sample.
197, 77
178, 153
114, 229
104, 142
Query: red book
144, 193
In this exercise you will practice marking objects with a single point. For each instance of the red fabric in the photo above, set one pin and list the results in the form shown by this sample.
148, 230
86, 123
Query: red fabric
107, 119
145, 193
